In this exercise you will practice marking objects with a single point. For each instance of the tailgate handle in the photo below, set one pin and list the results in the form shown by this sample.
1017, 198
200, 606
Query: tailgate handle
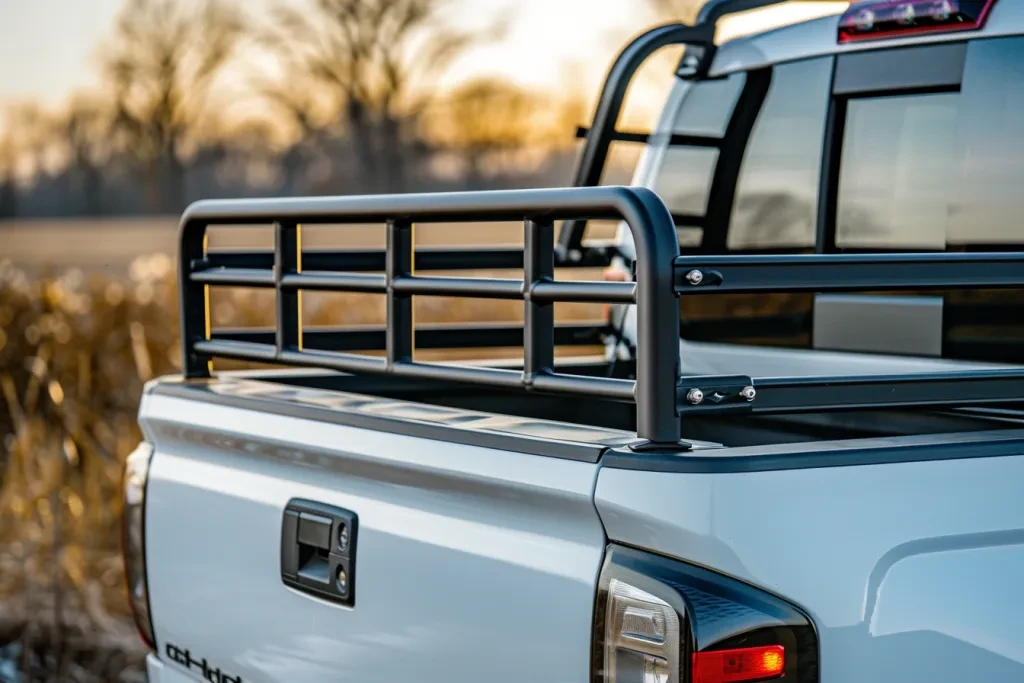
318, 550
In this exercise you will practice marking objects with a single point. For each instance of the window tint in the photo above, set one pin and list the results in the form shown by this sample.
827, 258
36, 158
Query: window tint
685, 178
685, 174
989, 201
776, 202
707, 108
938, 171
898, 172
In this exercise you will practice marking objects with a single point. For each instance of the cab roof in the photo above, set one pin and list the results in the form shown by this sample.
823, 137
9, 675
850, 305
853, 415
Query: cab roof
819, 36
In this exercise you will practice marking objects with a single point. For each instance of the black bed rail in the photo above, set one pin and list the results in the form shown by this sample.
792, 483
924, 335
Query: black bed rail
748, 274
652, 291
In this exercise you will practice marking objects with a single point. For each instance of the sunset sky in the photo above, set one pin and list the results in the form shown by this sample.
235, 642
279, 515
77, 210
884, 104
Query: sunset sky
48, 47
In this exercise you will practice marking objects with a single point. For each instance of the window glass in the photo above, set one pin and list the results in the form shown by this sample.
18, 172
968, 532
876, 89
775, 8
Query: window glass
776, 202
897, 179
942, 170
989, 202
685, 175
707, 107
684, 180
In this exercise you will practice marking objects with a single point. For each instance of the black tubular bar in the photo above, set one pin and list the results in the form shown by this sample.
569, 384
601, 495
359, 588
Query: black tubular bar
539, 315
327, 280
699, 41
643, 211
442, 336
594, 254
816, 394
847, 272
602, 131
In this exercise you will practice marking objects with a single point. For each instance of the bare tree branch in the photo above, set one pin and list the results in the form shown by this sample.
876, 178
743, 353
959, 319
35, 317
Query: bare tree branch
373, 63
161, 66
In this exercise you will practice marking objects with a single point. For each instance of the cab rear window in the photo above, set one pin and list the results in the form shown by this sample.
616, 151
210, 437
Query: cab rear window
938, 171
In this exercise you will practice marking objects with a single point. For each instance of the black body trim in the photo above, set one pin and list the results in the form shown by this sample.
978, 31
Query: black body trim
335, 409
852, 453
932, 67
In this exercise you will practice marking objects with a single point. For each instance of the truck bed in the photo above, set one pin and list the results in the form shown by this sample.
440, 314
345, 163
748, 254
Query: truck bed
481, 535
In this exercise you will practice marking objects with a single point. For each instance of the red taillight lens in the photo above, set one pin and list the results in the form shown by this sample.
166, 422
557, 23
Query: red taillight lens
133, 538
744, 664
661, 620
876, 19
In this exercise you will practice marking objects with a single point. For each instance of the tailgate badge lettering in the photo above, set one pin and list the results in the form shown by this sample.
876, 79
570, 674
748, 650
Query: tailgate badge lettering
183, 657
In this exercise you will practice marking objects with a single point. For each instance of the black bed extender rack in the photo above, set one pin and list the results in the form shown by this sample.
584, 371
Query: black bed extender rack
661, 395
660, 277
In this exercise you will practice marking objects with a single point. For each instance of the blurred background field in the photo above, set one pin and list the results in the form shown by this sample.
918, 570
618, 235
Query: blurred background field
115, 114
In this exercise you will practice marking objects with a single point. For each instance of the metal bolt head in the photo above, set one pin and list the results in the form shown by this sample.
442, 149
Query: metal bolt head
342, 579
748, 393
343, 537
695, 277
695, 396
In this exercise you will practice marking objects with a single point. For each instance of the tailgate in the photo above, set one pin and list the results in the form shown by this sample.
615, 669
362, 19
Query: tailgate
471, 562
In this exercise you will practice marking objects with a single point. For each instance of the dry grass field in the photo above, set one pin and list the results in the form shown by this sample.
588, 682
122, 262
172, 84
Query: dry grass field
88, 313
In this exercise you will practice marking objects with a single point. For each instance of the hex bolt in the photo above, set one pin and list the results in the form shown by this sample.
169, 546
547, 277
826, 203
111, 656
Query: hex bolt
695, 396
695, 277
748, 393
342, 579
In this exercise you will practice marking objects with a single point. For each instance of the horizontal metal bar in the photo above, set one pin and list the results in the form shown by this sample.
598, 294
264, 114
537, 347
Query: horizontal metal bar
585, 291
815, 394
493, 377
440, 336
598, 387
847, 272
594, 254
234, 277
343, 362
337, 282
675, 140
239, 350
556, 203
486, 288
931, 390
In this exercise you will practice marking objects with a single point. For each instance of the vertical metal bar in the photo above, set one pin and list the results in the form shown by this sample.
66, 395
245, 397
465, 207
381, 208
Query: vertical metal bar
399, 263
539, 329
657, 309
194, 301
287, 260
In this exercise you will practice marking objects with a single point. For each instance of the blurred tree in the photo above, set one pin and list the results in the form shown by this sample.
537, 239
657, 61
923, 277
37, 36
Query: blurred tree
86, 129
370, 66
162, 65
8, 189
483, 120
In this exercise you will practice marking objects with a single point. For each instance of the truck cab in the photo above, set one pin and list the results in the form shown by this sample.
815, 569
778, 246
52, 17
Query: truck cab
844, 135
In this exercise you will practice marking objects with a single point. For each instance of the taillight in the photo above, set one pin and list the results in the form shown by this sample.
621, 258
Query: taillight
658, 620
875, 19
133, 538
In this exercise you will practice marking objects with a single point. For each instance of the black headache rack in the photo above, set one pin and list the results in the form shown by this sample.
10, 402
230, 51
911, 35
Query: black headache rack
660, 277
699, 41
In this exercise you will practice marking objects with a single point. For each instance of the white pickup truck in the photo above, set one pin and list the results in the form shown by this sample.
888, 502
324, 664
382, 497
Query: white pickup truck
801, 456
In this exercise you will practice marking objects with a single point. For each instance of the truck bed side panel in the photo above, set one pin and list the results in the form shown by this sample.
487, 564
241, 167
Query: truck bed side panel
472, 563
911, 571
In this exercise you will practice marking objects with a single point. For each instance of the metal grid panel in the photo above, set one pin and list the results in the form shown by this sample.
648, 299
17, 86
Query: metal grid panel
646, 215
